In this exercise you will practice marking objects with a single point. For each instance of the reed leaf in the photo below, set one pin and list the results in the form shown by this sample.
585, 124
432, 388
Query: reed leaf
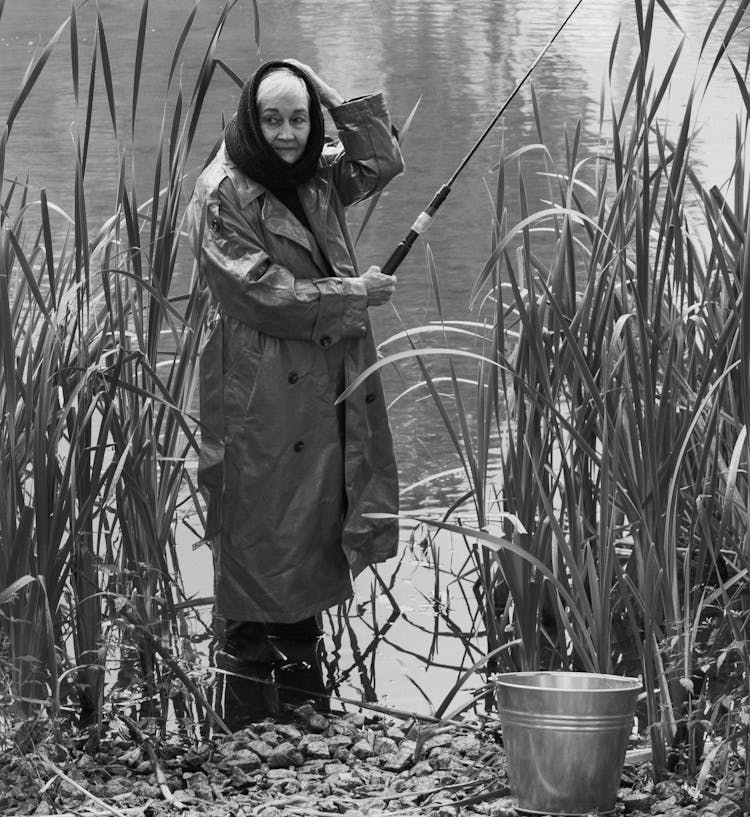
106, 69
31, 76
139, 48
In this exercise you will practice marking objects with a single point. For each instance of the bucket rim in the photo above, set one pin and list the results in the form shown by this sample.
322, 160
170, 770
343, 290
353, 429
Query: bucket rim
515, 679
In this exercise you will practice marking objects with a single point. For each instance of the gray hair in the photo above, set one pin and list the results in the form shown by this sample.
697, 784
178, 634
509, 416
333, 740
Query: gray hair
280, 80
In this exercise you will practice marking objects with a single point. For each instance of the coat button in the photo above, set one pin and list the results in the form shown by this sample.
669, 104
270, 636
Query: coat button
325, 341
293, 377
299, 445
369, 398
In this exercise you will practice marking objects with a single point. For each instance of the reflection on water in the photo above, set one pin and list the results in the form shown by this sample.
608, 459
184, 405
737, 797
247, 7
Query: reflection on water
461, 59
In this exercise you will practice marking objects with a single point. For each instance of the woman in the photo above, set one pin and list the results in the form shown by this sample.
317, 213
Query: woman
289, 476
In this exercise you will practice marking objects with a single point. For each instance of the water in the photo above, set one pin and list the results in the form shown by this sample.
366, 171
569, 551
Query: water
462, 59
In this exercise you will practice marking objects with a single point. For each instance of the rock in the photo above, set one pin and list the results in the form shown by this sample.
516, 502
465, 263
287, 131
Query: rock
340, 753
193, 761
281, 774
240, 779
663, 806
440, 758
269, 811
636, 801
421, 769
197, 782
314, 747
385, 746
285, 755
724, 807
399, 761
467, 745
244, 759
337, 740
502, 807
667, 788
441, 740
363, 749
312, 719
262, 748
289, 731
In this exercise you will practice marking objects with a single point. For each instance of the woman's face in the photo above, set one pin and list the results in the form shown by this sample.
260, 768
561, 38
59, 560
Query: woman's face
285, 120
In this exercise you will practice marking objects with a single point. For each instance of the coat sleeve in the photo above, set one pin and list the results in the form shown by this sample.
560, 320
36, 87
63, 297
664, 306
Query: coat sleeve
367, 155
267, 296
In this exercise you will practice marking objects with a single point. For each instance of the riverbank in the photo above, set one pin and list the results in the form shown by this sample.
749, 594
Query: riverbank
314, 765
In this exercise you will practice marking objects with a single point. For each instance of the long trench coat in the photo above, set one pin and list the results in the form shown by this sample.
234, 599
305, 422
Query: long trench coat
288, 475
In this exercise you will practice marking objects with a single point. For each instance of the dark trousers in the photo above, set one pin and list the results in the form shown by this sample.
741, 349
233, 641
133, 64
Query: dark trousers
270, 668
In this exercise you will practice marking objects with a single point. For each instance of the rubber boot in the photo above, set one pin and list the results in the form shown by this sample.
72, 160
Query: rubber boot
299, 677
247, 692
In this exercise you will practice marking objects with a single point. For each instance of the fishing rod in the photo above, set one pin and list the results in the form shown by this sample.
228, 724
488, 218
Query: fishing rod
424, 219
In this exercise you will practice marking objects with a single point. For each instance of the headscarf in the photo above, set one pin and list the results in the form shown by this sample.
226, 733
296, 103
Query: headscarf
248, 149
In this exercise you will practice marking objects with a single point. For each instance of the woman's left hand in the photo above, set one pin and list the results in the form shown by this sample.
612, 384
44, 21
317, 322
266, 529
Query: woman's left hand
329, 96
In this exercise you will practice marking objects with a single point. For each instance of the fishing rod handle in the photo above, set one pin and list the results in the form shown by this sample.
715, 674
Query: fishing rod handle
398, 255
423, 221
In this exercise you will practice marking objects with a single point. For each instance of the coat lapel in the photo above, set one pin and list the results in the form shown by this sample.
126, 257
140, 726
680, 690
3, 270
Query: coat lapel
279, 221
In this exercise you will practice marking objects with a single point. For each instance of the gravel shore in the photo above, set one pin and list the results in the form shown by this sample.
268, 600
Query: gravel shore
315, 765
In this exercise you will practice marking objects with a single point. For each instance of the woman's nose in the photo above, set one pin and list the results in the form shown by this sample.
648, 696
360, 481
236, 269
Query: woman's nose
285, 132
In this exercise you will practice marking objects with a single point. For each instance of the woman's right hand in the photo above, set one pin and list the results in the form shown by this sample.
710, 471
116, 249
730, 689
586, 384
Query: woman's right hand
379, 287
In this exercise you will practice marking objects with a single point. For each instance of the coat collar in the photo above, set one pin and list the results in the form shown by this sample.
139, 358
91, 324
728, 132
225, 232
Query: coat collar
314, 197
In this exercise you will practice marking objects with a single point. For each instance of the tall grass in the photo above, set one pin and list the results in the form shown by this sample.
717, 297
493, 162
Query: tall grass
97, 381
612, 337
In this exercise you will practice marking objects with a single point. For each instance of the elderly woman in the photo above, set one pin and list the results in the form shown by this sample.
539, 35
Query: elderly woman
289, 476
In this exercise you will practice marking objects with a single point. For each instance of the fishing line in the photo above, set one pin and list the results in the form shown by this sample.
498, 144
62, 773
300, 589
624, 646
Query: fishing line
424, 219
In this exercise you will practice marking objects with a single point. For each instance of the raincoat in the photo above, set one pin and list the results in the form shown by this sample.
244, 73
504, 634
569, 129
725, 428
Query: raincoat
288, 475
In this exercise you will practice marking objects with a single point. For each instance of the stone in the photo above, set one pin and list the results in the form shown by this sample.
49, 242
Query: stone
244, 759
441, 740
240, 779
193, 761
395, 733
399, 761
636, 801
197, 782
724, 807
421, 769
664, 805
363, 749
261, 747
289, 731
340, 753
385, 746
269, 811
502, 807
336, 740
467, 745
440, 758
312, 719
316, 749
284, 755
281, 774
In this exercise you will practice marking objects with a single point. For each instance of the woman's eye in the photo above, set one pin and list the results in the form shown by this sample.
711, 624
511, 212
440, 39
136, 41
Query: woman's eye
270, 120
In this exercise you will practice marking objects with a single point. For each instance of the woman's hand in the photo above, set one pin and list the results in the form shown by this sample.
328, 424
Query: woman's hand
329, 96
379, 287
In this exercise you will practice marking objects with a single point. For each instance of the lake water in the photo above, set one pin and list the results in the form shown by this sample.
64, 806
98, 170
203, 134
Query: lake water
461, 58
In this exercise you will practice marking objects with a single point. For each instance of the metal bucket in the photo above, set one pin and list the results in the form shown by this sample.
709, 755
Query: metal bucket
565, 736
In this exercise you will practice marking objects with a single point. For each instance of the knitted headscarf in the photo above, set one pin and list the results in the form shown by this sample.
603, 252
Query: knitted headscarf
247, 146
